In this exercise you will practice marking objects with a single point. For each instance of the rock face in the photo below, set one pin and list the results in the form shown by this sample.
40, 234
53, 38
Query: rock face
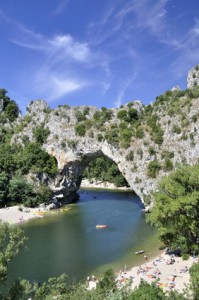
193, 77
74, 152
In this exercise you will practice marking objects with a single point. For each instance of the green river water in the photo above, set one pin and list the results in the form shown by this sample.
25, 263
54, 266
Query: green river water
69, 242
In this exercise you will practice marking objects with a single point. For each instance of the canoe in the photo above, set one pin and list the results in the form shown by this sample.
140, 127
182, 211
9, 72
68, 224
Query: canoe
139, 252
101, 226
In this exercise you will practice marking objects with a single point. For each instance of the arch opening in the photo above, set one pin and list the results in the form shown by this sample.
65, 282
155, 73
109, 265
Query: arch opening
102, 171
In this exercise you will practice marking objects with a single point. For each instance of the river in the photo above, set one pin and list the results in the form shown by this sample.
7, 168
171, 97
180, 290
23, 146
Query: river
69, 242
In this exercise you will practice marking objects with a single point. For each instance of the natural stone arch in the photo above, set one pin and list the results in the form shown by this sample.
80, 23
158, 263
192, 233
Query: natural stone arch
70, 176
62, 123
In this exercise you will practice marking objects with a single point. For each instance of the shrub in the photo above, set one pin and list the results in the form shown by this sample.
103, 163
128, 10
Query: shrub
80, 116
153, 168
41, 134
176, 129
194, 118
168, 165
152, 151
167, 154
122, 114
130, 156
80, 129
139, 133
100, 137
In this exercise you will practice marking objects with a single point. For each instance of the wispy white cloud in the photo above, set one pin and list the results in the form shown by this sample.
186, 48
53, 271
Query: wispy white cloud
124, 87
195, 29
60, 63
151, 15
60, 7
106, 86
63, 46
56, 85
189, 51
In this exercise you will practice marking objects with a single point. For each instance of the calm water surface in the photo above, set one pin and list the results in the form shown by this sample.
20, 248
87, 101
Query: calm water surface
69, 242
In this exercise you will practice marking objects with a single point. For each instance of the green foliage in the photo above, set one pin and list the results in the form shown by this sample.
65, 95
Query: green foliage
11, 240
126, 135
80, 116
15, 159
128, 115
4, 181
194, 118
41, 134
168, 165
153, 168
35, 159
86, 110
194, 273
22, 192
197, 68
72, 144
100, 137
176, 129
176, 209
139, 133
146, 291
103, 169
107, 283
122, 114
152, 151
80, 129
112, 136
167, 154
130, 156
156, 131
53, 287
11, 111
10, 108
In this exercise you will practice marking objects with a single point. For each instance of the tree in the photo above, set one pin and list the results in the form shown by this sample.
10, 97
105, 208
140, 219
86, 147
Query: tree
146, 291
22, 192
10, 107
4, 181
194, 272
11, 240
176, 209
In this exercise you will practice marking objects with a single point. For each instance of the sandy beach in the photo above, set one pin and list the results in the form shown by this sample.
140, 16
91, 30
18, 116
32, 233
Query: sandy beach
19, 214
169, 271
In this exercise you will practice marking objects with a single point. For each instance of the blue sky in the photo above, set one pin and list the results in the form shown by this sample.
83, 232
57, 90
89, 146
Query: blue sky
96, 52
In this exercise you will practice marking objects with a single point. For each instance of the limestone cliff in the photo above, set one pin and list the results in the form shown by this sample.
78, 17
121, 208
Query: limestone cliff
137, 138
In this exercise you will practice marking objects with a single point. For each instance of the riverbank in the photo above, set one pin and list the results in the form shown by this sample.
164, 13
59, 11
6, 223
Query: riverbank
102, 185
19, 214
168, 271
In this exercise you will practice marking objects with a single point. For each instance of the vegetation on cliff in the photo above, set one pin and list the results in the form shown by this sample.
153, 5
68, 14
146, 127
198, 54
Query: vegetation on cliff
9, 107
18, 159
